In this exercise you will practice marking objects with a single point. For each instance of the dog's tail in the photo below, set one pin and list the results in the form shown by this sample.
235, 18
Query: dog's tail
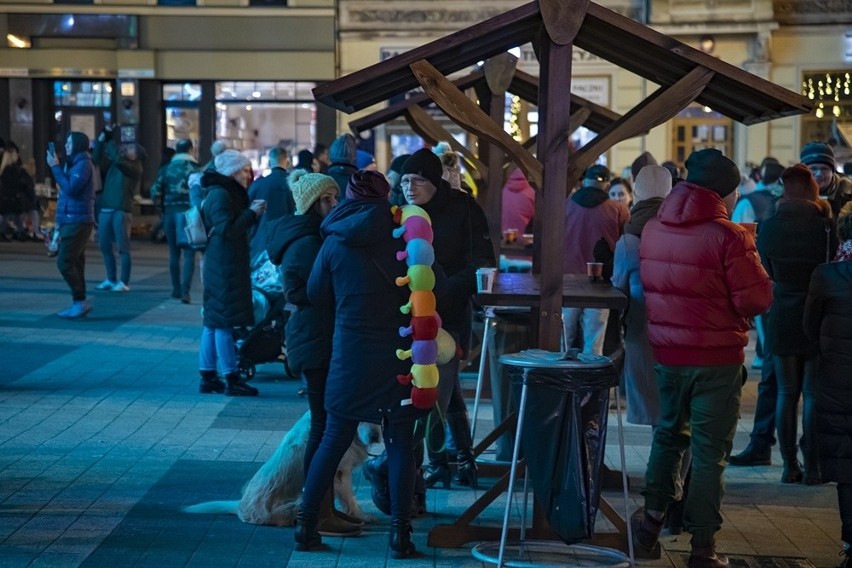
214, 508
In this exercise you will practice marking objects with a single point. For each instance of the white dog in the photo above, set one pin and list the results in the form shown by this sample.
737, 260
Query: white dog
273, 495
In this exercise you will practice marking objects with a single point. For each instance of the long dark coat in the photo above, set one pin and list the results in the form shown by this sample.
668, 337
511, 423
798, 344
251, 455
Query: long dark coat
462, 244
791, 244
828, 321
355, 271
294, 243
227, 273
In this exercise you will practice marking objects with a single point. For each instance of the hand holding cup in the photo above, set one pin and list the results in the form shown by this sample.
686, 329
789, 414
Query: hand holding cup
258, 206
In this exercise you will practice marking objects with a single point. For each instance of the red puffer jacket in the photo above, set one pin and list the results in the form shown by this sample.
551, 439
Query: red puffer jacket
703, 280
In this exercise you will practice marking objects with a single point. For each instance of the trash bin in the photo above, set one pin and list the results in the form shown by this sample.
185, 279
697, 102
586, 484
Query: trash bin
564, 437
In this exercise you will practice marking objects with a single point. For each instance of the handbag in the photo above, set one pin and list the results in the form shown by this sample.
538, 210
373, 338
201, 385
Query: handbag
190, 229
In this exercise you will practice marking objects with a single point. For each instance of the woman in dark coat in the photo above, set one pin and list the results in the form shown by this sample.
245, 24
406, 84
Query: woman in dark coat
791, 244
228, 216
355, 271
828, 321
294, 244
18, 184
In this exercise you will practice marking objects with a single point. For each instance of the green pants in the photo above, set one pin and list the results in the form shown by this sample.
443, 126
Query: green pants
700, 407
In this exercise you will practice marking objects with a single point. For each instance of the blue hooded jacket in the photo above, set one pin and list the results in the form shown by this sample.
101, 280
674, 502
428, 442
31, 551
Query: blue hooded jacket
77, 184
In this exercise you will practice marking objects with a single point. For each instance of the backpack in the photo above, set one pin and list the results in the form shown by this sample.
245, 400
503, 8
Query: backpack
191, 232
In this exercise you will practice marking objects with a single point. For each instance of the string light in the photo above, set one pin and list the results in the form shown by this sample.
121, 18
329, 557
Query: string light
829, 88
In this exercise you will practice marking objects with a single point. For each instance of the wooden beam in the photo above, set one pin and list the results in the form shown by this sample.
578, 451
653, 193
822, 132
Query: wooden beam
554, 152
466, 114
563, 18
423, 124
662, 105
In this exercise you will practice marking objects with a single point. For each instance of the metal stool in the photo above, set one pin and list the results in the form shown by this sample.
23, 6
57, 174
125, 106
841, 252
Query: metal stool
531, 360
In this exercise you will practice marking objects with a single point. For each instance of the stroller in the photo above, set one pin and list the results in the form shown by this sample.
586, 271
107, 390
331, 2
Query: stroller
264, 342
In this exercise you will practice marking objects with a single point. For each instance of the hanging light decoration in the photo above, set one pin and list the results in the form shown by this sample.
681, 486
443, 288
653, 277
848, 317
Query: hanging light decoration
831, 88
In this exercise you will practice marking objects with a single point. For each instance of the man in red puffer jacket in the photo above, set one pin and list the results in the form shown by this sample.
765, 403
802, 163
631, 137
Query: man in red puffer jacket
703, 280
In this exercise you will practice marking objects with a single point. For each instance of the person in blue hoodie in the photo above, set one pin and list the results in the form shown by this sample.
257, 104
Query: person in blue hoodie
75, 217
355, 272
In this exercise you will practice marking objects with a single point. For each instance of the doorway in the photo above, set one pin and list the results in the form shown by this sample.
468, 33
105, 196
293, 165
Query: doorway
698, 127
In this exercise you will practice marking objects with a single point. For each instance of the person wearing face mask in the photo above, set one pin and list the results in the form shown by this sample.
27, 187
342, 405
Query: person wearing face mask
75, 217
228, 217
703, 280
833, 187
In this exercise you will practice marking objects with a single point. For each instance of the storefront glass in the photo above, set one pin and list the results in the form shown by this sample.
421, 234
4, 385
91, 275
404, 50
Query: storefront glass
831, 120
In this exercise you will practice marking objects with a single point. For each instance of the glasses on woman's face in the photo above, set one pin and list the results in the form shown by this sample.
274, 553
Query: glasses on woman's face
413, 180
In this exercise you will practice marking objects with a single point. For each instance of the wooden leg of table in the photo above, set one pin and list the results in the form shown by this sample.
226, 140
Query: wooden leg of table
507, 425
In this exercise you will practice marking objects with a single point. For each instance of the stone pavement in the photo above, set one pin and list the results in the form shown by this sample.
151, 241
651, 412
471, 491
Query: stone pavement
103, 437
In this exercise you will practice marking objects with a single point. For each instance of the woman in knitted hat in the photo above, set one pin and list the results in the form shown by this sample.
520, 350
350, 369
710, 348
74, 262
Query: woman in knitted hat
294, 243
828, 322
651, 185
355, 273
791, 244
228, 216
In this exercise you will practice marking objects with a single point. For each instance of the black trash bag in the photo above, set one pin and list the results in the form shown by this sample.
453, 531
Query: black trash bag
564, 442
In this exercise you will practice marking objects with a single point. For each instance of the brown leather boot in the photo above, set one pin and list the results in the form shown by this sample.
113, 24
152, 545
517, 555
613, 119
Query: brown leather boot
646, 534
705, 556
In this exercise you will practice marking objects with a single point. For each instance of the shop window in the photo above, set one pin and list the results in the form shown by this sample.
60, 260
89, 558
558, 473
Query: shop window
267, 3
82, 93
176, 2
254, 116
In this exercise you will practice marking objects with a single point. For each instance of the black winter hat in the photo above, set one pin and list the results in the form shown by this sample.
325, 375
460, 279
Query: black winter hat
425, 164
598, 173
710, 169
817, 153
396, 163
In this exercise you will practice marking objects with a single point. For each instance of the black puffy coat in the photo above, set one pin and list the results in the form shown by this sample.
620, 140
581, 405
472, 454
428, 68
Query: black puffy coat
355, 271
828, 321
294, 243
227, 272
462, 244
275, 190
341, 173
791, 244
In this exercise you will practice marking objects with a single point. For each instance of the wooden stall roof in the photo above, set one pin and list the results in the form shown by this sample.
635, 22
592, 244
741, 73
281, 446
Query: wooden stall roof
624, 42
523, 85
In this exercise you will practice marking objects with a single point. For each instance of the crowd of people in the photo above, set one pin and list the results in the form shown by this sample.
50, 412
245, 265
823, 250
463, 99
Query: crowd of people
700, 263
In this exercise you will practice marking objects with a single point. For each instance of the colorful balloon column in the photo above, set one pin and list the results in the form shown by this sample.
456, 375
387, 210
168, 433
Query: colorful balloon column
415, 228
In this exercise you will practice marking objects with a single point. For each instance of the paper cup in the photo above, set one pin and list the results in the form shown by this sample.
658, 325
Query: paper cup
750, 227
595, 271
485, 280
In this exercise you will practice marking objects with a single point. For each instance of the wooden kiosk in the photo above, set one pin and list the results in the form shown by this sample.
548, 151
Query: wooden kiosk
683, 73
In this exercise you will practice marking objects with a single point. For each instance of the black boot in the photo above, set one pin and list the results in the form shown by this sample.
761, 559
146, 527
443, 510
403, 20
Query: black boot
400, 539
437, 472
705, 556
752, 455
306, 535
376, 471
847, 556
459, 424
237, 387
210, 382
792, 471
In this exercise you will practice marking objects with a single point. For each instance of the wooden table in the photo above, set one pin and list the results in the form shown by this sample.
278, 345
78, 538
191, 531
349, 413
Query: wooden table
523, 289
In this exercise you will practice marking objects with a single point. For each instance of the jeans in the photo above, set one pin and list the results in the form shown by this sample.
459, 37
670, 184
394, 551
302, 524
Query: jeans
217, 347
339, 433
71, 258
763, 431
315, 380
114, 231
181, 279
699, 410
796, 378
593, 323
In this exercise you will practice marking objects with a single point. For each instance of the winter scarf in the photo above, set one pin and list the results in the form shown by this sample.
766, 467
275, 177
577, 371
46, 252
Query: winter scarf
844, 251
641, 213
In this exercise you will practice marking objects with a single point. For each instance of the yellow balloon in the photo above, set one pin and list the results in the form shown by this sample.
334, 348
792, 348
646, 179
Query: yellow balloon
446, 347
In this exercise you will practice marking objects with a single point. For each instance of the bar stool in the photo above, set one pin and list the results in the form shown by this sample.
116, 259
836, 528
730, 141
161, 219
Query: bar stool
575, 372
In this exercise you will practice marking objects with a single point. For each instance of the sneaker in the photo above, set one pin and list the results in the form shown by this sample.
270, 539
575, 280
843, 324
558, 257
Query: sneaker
120, 287
105, 285
77, 310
